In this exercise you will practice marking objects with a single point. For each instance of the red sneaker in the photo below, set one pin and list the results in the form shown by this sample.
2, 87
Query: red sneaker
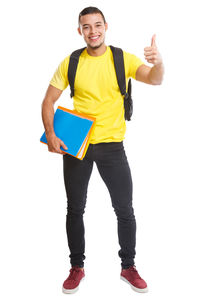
132, 277
70, 285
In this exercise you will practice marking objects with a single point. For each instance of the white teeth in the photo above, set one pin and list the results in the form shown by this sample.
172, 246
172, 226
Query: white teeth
94, 38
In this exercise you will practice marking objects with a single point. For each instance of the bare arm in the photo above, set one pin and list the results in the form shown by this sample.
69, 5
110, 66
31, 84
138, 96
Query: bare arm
142, 74
54, 143
150, 75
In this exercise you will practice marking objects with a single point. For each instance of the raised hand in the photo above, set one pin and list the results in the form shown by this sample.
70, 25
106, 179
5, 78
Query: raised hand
152, 54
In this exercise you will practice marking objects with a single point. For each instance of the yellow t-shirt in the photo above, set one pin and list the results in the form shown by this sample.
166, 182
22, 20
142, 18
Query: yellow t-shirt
97, 93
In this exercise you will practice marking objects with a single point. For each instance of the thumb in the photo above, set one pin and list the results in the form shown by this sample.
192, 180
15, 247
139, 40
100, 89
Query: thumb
153, 40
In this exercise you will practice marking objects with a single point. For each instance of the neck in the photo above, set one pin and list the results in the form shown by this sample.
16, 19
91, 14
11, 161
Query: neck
97, 52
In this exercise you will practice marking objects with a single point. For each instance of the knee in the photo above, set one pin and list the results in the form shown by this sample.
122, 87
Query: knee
75, 211
125, 213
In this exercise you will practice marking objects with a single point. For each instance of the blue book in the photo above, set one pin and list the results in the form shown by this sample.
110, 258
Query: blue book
74, 129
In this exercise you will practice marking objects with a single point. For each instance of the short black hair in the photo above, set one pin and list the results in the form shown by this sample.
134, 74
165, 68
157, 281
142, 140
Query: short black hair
90, 10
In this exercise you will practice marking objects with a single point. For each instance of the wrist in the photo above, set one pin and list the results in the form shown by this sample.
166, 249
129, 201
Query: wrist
159, 64
50, 134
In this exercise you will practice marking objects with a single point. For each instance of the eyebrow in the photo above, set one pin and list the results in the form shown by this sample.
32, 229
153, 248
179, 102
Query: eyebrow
95, 23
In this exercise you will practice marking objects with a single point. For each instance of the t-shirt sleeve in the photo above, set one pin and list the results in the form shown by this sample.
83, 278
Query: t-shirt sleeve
60, 78
132, 63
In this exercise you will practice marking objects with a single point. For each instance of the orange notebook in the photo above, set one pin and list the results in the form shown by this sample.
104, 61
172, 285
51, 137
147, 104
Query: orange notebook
74, 129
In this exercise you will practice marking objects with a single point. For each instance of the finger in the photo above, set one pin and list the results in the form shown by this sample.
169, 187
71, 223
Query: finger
149, 49
63, 145
56, 148
153, 40
153, 52
60, 151
150, 57
151, 61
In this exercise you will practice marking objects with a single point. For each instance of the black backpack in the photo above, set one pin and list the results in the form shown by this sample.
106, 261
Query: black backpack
120, 72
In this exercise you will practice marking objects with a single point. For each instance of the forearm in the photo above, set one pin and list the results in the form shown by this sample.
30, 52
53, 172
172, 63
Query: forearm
48, 117
156, 74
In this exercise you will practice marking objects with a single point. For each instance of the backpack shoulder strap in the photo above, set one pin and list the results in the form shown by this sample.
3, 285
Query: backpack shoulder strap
119, 68
73, 62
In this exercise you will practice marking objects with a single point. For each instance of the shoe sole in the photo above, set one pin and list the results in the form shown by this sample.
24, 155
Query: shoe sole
71, 291
145, 290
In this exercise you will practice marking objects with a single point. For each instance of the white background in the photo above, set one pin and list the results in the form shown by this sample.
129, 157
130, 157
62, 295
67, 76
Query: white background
162, 146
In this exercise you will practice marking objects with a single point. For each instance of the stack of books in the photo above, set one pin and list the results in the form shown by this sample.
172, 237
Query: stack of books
74, 129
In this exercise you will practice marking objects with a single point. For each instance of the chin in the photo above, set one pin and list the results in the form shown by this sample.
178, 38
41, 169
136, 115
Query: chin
95, 47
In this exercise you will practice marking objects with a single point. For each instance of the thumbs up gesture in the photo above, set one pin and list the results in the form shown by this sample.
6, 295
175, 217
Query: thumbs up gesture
152, 54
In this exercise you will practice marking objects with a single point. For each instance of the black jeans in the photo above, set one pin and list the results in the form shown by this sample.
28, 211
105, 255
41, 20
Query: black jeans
113, 167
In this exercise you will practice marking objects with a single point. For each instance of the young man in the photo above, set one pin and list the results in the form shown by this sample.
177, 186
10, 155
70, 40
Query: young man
97, 94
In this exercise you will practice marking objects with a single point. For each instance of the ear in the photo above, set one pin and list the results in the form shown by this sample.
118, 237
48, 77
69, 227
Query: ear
79, 30
106, 26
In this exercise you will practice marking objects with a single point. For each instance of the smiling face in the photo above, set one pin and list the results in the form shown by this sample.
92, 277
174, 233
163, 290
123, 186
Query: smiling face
93, 29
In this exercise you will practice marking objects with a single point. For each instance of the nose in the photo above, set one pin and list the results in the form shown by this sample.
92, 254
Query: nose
92, 30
